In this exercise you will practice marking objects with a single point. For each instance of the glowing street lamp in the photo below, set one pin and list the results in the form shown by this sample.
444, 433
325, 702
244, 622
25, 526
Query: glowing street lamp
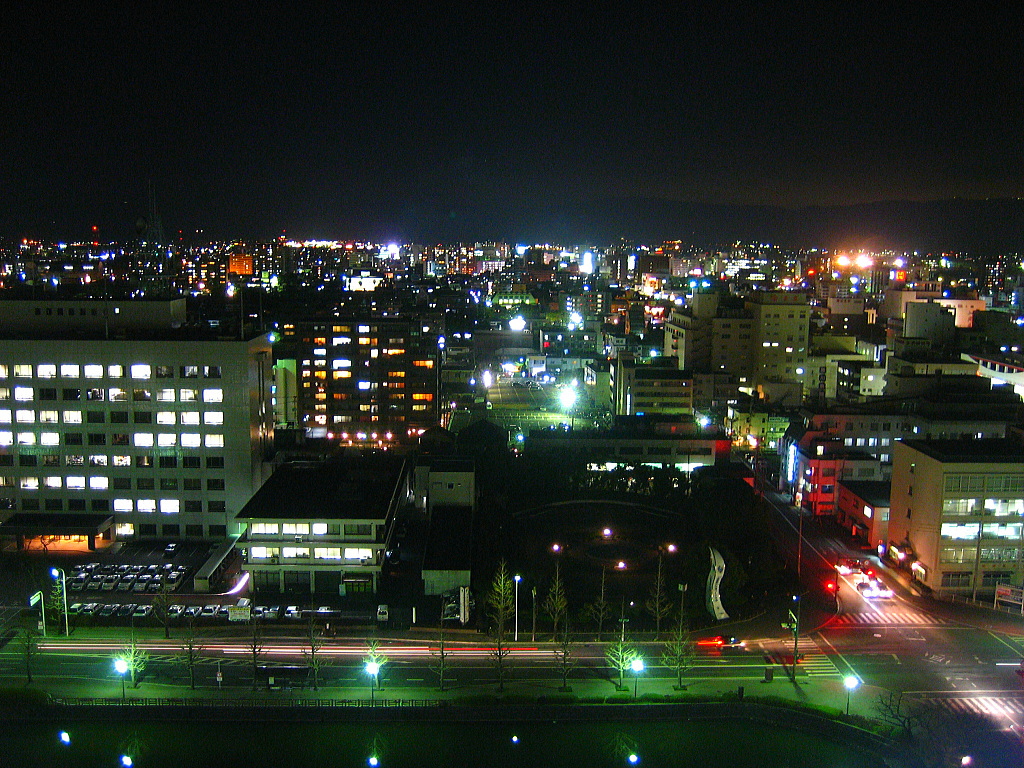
637, 665
59, 573
121, 667
851, 682
372, 669
517, 579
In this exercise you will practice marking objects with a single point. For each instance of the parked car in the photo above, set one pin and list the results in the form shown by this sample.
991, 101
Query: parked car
175, 610
126, 609
74, 609
209, 610
192, 610
110, 583
126, 583
142, 611
292, 612
272, 613
107, 610
382, 613
171, 549
89, 609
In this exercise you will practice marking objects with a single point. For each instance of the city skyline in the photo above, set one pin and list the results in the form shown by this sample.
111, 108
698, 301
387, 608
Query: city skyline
534, 125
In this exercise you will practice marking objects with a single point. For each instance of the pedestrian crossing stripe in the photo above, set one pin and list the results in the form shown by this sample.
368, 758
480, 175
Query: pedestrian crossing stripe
813, 662
981, 705
868, 618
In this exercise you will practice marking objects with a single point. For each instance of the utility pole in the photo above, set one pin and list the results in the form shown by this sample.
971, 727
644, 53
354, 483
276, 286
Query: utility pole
533, 631
794, 618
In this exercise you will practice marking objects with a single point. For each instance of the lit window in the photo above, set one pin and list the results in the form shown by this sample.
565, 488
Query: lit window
53, 482
295, 528
46, 371
258, 553
123, 505
166, 439
25, 417
26, 438
72, 417
76, 483
115, 371
5, 416
70, 371
289, 552
265, 528
213, 417
23, 394
319, 351
6, 438
190, 440
319, 529
143, 439
23, 371
364, 385
213, 395
165, 395
93, 371
3, 371
122, 461
342, 340
327, 553
165, 417
98, 483
358, 553
30, 483
125, 529
141, 371
169, 506
215, 441
423, 363
190, 417
146, 505
49, 438
47, 417
341, 363
117, 395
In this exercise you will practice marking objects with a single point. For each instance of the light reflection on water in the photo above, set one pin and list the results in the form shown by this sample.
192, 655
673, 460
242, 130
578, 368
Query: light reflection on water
423, 745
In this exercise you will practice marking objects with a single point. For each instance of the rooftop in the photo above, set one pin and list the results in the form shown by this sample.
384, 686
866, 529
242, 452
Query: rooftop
986, 451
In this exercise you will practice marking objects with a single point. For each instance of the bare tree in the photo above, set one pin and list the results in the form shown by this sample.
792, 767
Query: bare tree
555, 604
678, 652
55, 602
254, 644
600, 610
136, 658
501, 603
565, 656
442, 655
191, 652
657, 603
162, 609
29, 650
314, 659
375, 656
619, 656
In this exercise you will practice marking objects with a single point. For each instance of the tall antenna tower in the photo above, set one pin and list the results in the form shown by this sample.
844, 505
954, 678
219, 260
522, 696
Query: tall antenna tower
149, 228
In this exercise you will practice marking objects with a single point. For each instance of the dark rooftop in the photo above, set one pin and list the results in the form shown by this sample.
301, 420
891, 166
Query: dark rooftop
347, 487
874, 492
995, 450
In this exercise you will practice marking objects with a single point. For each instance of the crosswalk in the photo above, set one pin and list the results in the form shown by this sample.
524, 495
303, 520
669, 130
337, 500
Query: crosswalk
887, 619
1009, 707
813, 662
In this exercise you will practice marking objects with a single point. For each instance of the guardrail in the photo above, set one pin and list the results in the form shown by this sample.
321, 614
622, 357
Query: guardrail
246, 703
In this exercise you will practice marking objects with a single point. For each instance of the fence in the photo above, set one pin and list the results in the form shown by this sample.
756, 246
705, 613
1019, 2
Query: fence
244, 703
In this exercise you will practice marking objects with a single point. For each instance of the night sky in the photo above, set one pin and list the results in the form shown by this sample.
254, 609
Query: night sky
476, 122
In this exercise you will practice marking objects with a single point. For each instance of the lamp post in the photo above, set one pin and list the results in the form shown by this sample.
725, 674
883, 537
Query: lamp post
59, 573
851, 682
121, 667
372, 669
637, 665
533, 630
517, 578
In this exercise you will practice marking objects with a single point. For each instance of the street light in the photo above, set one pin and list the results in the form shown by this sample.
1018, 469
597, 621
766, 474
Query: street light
121, 667
517, 579
59, 573
851, 682
637, 665
567, 397
372, 669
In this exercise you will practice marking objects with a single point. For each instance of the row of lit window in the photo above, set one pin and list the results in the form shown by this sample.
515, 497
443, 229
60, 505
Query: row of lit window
144, 461
304, 529
136, 371
320, 553
114, 395
28, 416
139, 439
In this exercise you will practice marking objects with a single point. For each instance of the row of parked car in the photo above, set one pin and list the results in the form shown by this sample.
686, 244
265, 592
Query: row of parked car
111, 610
151, 578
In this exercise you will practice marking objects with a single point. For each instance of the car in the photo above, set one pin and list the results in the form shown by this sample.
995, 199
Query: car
77, 585
292, 612
126, 583
126, 609
110, 583
210, 610
872, 589
721, 641
142, 611
848, 565
259, 612
382, 612
175, 610
171, 549
107, 610
156, 585
89, 609
243, 602
74, 609
272, 613
192, 610
223, 612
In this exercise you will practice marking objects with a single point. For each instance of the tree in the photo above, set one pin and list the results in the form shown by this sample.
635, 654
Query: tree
678, 652
55, 602
136, 658
191, 652
555, 604
375, 656
658, 604
254, 644
162, 609
314, 659
620, 655
442, 661
565, 656
29, 650
600, 610
501, 604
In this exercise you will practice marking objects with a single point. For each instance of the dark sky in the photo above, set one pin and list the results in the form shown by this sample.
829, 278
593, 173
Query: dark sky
337, 120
